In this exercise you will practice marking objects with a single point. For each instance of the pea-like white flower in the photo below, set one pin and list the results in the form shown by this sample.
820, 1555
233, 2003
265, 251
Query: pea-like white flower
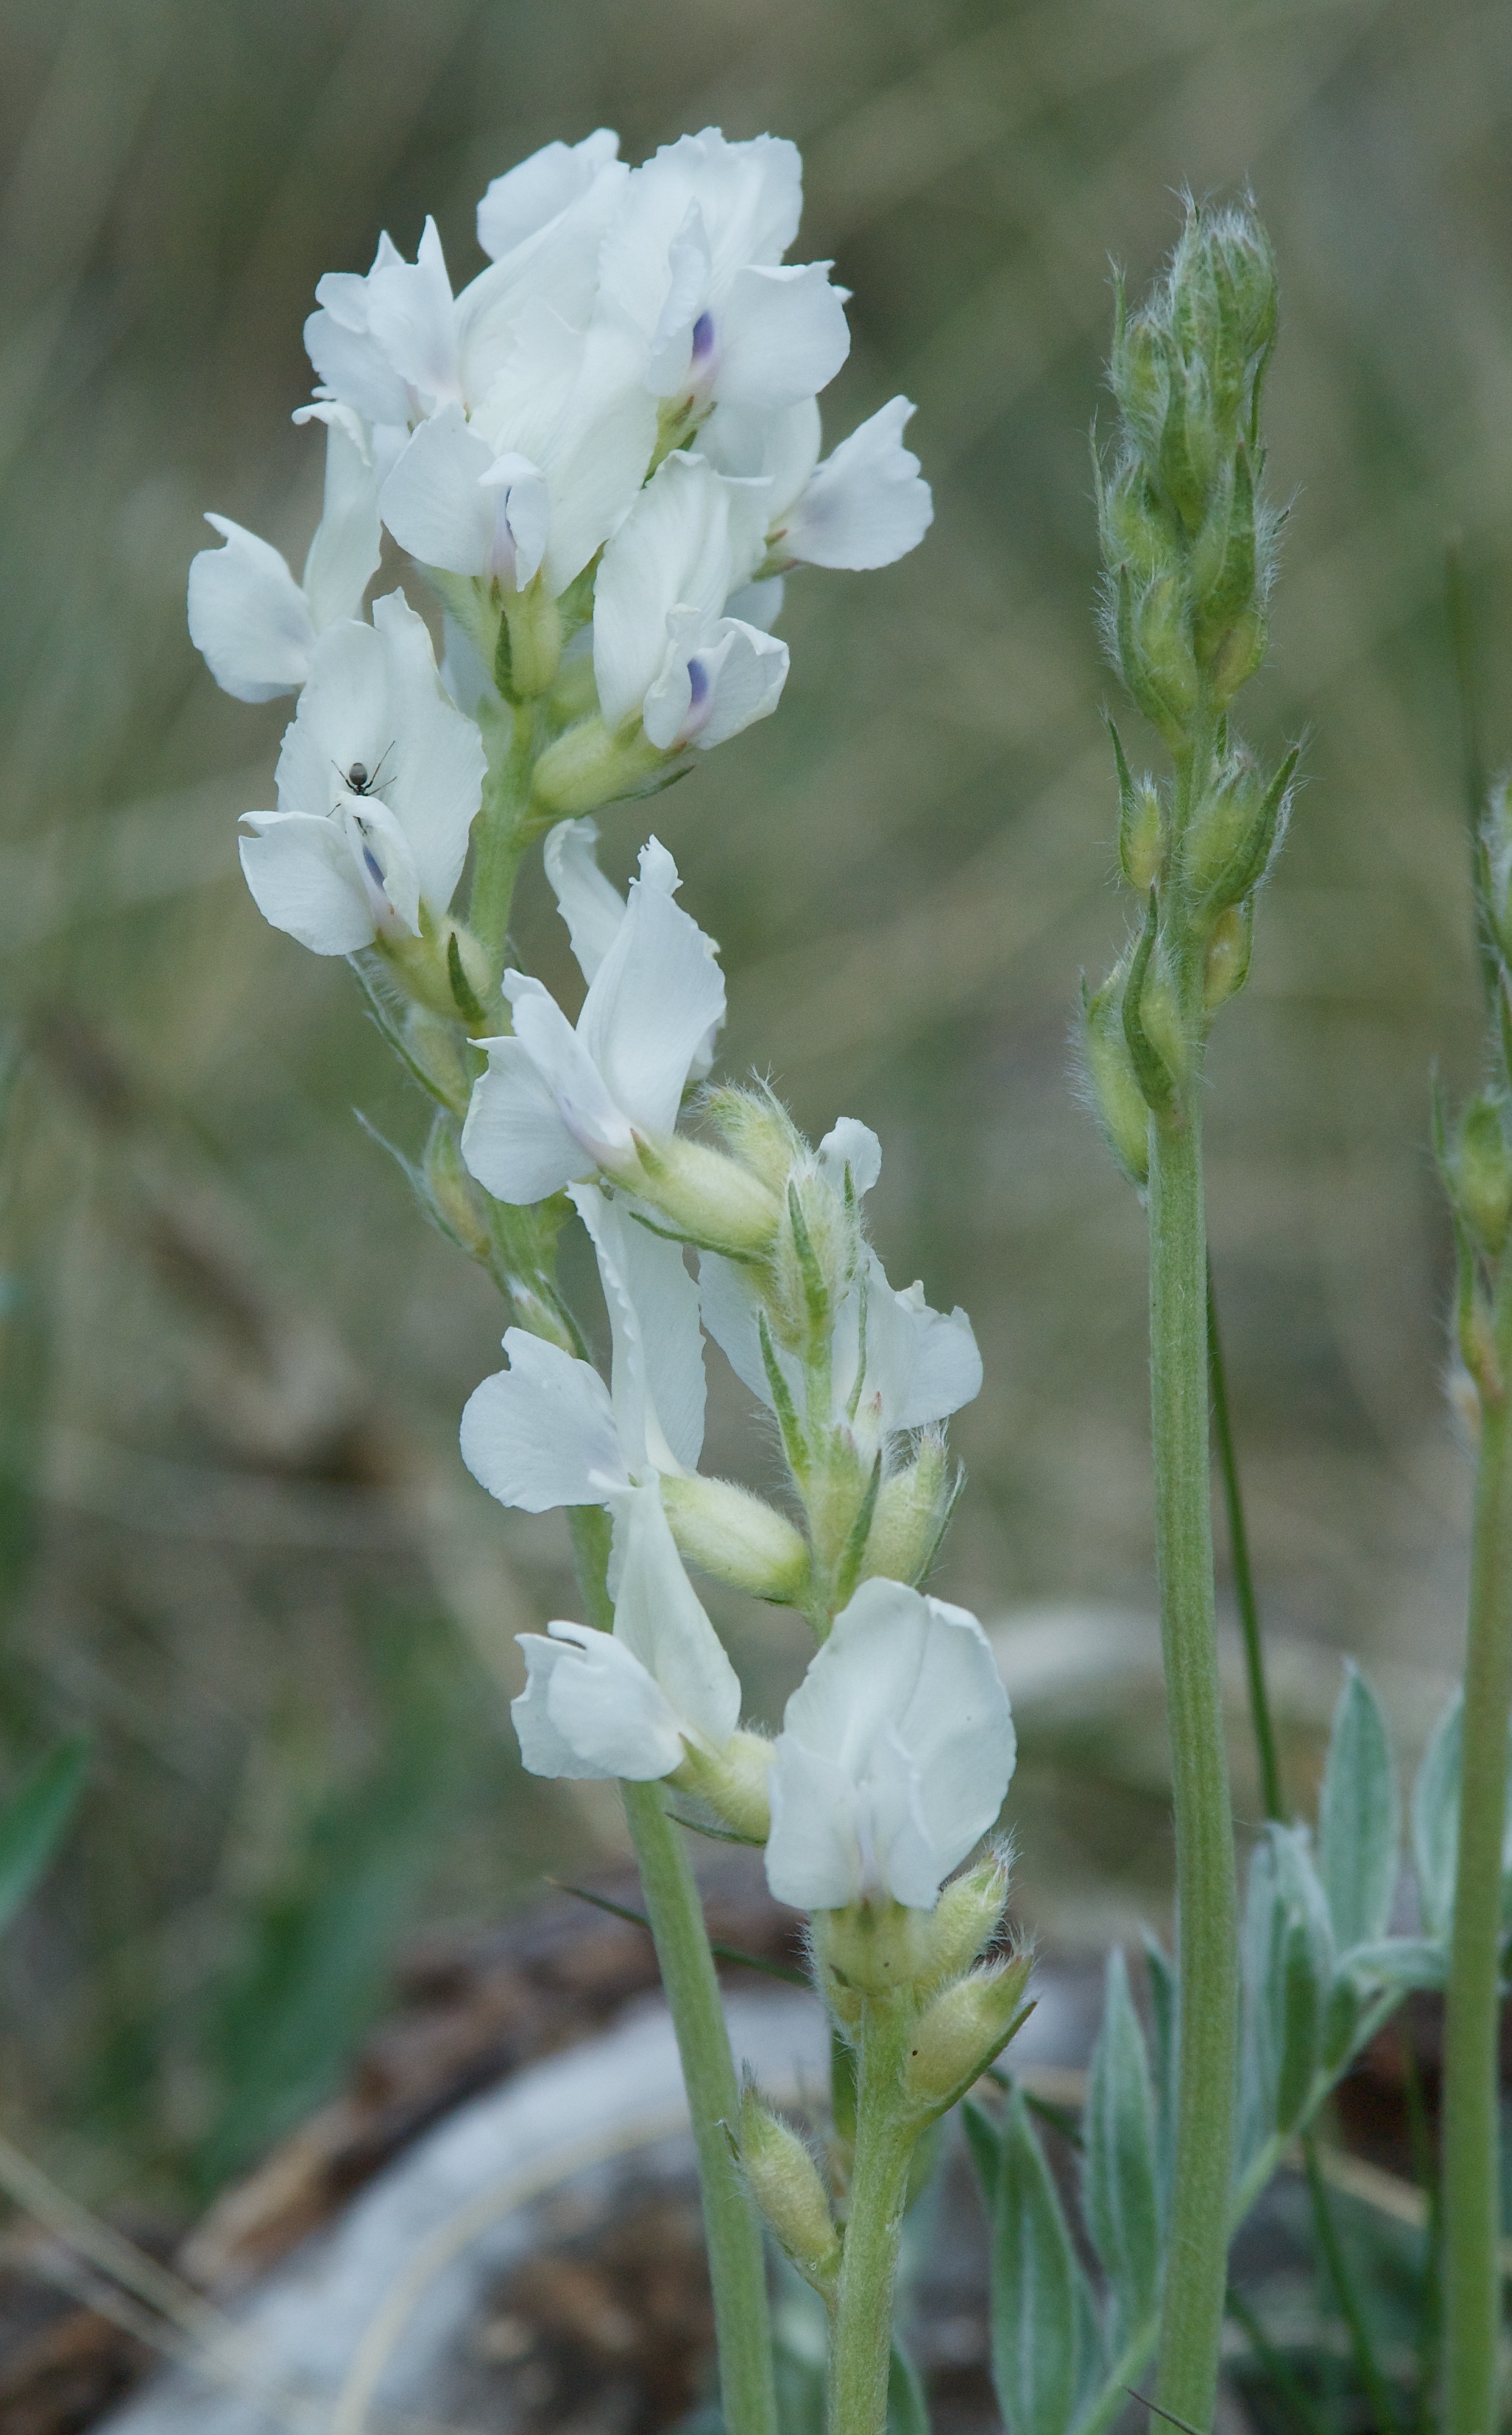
896, 1364
866, 503
560, 1104
665, 649
547, 1431
694, 257
378, 783
895, 1753
544, 222
255, 625
640, 1701
542, 472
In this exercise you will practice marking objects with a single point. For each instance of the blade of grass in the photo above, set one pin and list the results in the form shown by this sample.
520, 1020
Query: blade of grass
731, 1953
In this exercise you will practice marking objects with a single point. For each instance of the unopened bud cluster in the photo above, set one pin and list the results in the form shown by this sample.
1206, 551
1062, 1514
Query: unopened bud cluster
1189, 548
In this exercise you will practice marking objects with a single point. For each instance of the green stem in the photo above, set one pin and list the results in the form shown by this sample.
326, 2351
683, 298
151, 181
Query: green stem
861, 2336
1259, 1716
1472, 2208
1197, 2259
737, 2271
499, 844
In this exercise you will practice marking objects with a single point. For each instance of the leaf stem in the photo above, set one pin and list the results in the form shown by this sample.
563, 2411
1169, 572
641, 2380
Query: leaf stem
1472, 2182
737, 2270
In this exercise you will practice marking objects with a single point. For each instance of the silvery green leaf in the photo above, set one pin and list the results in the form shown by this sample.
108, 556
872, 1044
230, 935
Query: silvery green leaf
1435, 1820
1044, 2342
1300, 1997
1304, 1970
1401, 1962
1359, 1817
1160, 1979
1119, 2191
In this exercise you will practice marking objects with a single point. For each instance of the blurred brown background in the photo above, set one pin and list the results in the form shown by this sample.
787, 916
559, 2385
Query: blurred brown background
235, 1538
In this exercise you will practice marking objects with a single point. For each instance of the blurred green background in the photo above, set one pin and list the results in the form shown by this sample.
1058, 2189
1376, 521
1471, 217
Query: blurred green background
235, 1541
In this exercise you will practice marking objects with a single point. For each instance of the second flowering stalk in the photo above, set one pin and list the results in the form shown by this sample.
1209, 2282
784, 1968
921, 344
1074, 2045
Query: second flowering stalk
1188, 546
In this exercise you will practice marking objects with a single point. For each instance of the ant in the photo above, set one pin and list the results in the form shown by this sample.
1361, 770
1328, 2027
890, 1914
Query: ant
359, 780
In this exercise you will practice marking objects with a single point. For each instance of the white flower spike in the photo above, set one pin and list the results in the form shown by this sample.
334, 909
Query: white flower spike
378, 783
663, 649
547, 1431
637, 1701
557, 1104
896, 1751
256, 627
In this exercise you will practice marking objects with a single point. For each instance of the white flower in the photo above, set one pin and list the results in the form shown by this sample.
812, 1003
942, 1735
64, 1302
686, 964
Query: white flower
631, 1702
257, 627
544, 222
592, 908
663, 649
695, 256
864, 506
543, 469
396, 344
896, 1364
556, 1104
547, 1431
895, 1753
378, 783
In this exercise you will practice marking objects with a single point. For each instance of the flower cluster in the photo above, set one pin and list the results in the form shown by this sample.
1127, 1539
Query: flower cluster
604, 456
604, 453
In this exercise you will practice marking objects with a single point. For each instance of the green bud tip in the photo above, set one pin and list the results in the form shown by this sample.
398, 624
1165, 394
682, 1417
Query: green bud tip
707, 1199
968, 1914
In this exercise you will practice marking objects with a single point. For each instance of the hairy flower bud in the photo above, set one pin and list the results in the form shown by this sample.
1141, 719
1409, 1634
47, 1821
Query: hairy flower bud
757, 1128
962, 2031
912, 1509
1233, 834
591, 765
708, 1197
1479, 1168
1153, 647
737, 1537
874, 1948
1112, 1084
784, 2182
733, 1781
968, 1914
1226, 956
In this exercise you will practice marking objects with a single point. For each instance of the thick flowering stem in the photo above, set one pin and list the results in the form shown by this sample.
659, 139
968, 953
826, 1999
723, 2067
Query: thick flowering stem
886, 2132
1471, 2194
1196, 2272
737, 2271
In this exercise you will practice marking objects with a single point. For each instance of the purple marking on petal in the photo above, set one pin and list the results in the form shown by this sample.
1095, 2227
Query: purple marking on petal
703, 337
698, 683
374, 871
